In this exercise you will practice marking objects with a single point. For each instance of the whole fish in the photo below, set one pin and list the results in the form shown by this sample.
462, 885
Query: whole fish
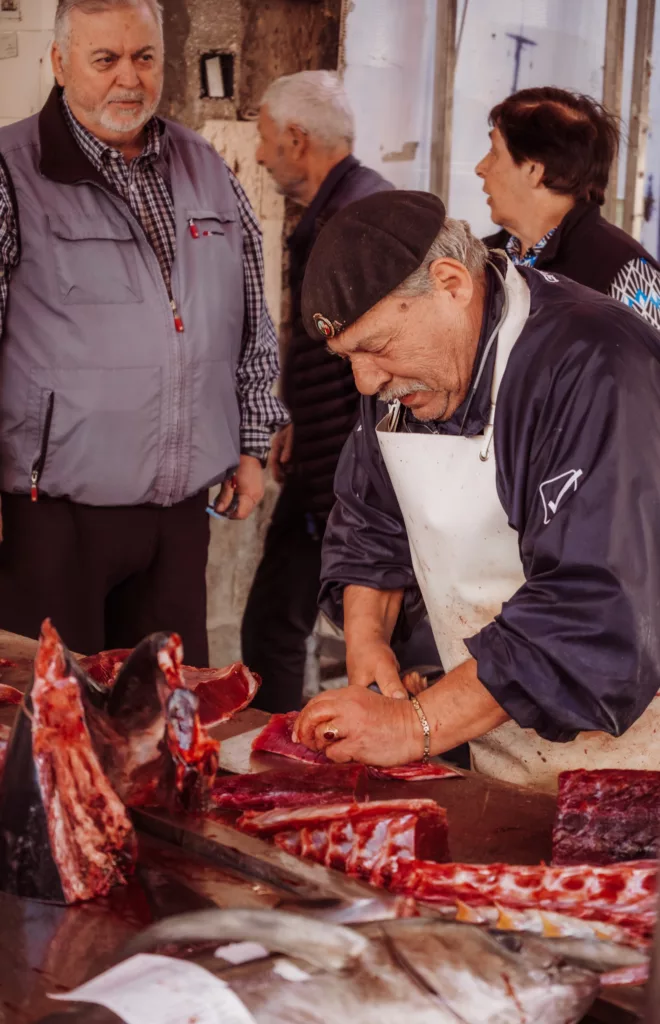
389, 972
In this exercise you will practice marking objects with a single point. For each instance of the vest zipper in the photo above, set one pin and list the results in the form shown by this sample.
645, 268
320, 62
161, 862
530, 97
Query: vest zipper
40, 461
178, 322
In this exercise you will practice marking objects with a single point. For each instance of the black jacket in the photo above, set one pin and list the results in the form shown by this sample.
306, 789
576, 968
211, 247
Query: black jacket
585, 247
317, 387
578, 646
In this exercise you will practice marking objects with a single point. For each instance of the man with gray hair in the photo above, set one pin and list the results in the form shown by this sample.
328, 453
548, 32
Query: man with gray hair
306, 137
137, 357
505, 467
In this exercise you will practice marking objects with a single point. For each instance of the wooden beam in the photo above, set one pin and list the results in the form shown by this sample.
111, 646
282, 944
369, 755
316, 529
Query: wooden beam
638, 125
615, 33
443, 97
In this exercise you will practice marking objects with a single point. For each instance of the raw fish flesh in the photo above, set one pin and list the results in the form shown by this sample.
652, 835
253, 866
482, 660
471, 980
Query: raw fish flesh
606, 815
10, 695
222, 692
620, 896
64, 832
367, 840
276, 738
145, 726
290, 788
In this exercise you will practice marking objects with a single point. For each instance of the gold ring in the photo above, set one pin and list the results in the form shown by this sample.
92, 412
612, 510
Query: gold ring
331, 733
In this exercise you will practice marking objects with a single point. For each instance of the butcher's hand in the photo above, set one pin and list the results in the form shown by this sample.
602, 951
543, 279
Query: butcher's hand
375, 662
280, 452
250, 485
369, 618
355, 724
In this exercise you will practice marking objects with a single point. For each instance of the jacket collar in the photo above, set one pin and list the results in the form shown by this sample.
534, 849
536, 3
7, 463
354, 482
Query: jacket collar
583, 213
61, 158
305, 229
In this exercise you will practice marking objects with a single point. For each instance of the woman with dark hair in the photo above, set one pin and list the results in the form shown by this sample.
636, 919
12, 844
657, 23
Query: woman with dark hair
545, 177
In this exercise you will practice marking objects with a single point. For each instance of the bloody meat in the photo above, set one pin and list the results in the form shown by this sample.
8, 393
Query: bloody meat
222, 692
605, 816
10, 695
277, 738
620, 895
290, 788
145, 726
65, 833
367, 840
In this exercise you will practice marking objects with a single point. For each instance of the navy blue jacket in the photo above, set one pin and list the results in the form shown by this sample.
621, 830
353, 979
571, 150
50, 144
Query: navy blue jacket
318, 388
578, 646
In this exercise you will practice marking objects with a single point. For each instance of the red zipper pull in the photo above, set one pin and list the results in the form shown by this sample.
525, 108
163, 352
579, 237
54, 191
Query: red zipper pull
34, 489
178, 322
194, 230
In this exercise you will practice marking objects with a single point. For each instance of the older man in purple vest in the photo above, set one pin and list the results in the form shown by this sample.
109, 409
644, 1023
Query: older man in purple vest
137, 355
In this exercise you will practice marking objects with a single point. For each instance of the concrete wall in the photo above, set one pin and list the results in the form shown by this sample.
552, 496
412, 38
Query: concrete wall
25, 79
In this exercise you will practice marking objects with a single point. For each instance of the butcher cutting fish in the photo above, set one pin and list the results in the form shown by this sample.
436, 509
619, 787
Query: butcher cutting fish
504, 469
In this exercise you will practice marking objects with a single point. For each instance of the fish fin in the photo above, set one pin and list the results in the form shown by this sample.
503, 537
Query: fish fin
467, 914
549, 929
506, 922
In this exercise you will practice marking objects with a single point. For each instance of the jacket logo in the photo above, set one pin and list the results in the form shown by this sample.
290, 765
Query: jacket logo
555, 490
549, 277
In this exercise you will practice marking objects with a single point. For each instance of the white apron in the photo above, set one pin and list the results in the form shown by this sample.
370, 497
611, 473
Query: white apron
467, 563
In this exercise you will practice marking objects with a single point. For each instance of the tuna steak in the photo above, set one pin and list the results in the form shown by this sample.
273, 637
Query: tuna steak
290, 787
605, 816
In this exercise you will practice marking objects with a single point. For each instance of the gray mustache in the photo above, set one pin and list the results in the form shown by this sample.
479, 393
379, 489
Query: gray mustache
396, 391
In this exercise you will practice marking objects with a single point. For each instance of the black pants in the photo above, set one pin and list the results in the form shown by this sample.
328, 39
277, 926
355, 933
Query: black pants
106, 576
282, 609
282, 606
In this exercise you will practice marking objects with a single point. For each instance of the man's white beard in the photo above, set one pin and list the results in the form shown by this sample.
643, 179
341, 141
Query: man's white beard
122, 123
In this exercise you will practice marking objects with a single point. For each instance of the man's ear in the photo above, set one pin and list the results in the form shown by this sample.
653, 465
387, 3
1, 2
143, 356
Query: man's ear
57, 62
298, 141
453, 277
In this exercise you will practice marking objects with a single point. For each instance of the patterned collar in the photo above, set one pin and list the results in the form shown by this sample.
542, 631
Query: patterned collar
100, 153
532, 254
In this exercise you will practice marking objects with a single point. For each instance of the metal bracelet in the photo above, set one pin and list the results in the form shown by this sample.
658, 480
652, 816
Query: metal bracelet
425, 727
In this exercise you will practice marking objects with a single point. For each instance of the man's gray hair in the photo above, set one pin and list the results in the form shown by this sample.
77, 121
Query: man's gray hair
454, 241
64, 8
315, 101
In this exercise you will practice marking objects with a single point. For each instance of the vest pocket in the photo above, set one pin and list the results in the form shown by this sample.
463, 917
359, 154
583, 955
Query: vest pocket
95, 260
100, 445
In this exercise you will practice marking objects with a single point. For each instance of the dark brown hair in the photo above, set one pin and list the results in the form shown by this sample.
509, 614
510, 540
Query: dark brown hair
574, 137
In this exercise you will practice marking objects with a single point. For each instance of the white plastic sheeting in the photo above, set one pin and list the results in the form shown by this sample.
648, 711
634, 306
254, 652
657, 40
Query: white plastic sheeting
389, 78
